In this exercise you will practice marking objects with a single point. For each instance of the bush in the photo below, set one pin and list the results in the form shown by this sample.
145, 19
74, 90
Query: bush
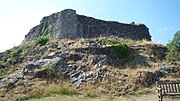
120, 49
42, 40
14, 53
26, 47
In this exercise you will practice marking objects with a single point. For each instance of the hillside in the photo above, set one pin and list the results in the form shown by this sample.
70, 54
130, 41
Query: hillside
90, 66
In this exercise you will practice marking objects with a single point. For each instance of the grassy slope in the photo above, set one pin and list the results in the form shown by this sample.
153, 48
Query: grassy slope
149, 97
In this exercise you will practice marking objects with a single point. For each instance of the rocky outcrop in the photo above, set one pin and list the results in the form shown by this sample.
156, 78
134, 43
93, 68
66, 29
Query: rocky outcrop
68, 24
86, 60
85, 63
149, 52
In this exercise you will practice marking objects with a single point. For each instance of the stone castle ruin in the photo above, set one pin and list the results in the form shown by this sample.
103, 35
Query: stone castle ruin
68, 24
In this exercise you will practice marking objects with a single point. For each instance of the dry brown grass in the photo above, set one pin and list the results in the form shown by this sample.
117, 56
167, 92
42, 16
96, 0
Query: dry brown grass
118, 82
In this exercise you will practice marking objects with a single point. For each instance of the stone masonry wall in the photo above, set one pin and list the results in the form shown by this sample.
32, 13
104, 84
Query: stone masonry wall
68, 24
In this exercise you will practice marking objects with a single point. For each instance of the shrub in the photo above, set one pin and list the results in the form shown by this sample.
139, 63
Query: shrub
42, 40
14, 53
25, 51
120, 49
26, 47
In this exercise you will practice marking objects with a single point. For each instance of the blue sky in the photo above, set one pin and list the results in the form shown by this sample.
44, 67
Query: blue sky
19, 16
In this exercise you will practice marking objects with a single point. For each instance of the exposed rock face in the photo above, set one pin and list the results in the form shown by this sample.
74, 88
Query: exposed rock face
85, 60
68, 24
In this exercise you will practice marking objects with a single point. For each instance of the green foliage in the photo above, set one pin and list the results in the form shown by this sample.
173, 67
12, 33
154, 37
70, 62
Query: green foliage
48, 91
51, 71
111, 98
176, 39
120, 48
25, 51
46, 31
42, 40
173, 53
26, 47
14, 53
173, 47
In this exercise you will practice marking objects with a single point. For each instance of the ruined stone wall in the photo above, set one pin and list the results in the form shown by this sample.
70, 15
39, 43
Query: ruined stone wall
93, 27
68, 24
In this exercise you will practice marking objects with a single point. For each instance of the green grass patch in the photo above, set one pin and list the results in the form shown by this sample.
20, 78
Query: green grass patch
38, 93
61, 91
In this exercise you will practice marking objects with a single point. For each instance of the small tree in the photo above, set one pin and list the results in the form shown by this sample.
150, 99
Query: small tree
173, 47
176, 39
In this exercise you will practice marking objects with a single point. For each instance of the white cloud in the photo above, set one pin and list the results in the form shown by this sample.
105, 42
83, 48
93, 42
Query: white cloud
163, 29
